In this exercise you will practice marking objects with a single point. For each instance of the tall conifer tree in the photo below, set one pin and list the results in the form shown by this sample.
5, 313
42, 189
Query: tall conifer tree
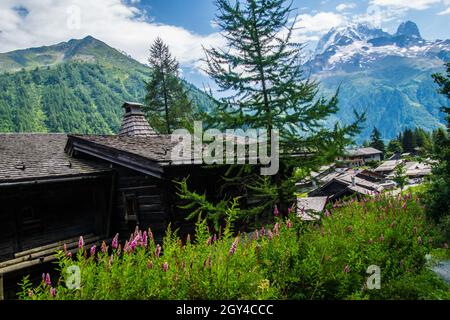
168, 106
262, 72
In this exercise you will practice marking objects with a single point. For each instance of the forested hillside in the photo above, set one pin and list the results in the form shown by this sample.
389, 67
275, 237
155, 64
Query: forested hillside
76, 87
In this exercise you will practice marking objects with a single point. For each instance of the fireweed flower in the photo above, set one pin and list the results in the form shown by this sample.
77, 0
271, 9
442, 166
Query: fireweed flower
327, 213
165, 266
270, 234
115, 241
276, 229
48, 280
144, 239
150, 234
158, 251
276, 212
93, 250
81, 243
346, 269
234, 247
133, 244
53, 292
289, 224
119, 250
256, 235
111, 259
263, 232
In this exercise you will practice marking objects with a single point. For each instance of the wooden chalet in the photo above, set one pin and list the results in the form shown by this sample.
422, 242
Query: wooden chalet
57, 187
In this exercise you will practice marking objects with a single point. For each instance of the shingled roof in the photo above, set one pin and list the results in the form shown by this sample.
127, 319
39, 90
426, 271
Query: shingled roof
25, 157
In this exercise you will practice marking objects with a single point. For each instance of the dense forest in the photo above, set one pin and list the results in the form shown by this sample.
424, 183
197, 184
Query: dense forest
83, 93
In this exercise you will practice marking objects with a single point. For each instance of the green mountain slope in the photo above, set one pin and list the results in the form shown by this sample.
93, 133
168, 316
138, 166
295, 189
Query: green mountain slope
76, 86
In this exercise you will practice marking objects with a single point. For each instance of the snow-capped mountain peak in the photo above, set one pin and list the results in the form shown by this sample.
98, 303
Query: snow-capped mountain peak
357, 46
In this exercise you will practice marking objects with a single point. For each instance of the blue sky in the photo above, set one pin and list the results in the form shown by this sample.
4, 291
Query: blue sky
196, 15
186, 25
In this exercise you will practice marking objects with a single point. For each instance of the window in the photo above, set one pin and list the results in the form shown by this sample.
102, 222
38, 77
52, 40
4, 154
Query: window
131, 207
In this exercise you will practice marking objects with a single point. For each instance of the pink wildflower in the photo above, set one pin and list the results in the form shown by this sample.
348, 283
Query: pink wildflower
111, 259
270, 234
256, 235
165, 266
150, 234
276, 229
276, 212
327, 213
48, 280
263, 232
234, 247
53, 292
115, 241
145, 239
289, 224
346, 269
81, 242
158, 251
104, 247
30, 293
93, 250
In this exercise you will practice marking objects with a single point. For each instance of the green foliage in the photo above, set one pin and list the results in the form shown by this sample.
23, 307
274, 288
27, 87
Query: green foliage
438, 197
400, 177
376, 141
168, 106
290, 259
81, 94
394, 146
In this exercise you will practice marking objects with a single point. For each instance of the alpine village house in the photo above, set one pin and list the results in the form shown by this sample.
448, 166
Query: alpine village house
56, 187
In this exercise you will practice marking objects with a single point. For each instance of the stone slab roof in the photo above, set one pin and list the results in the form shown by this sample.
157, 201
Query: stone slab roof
40, 156
362, 152
156, 147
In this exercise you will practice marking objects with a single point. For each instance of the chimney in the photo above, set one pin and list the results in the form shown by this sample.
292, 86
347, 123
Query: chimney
134, 123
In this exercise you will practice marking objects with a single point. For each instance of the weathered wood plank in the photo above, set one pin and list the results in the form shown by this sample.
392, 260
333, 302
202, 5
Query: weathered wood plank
50, 246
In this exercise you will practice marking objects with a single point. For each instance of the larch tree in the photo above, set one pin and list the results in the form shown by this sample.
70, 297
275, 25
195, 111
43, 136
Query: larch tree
261, 74
167, 104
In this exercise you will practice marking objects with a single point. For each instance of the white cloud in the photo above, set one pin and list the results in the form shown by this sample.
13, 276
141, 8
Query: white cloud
345, 6
406, 4
115, 22
311, 27
320, 22
445, 12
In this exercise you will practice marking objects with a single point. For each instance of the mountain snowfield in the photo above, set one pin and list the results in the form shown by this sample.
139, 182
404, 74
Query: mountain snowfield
388, 76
